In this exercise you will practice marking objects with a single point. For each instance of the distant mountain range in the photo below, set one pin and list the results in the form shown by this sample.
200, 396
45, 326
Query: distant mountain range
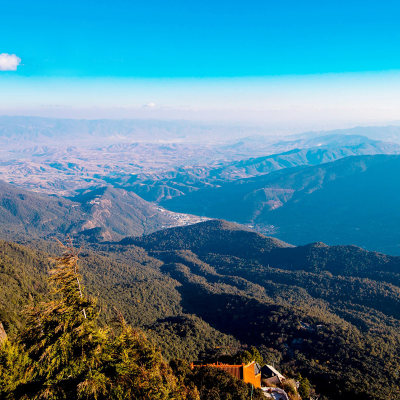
181, 181
39, 130
103, 213
352, 200
280, 190
298, 196
161, 159
389, 133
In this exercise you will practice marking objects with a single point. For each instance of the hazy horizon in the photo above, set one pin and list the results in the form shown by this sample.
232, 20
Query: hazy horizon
248, 128
288, 67
294, 103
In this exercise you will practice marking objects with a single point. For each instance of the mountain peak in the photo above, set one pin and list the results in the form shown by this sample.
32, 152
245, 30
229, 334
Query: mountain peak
215, 236
220, 224
317, 245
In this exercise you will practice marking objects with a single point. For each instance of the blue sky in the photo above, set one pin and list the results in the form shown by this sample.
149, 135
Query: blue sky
179, 55
155, 39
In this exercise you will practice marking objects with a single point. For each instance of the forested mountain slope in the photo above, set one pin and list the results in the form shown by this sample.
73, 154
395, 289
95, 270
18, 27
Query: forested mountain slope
353, 200
103, 213
329, 312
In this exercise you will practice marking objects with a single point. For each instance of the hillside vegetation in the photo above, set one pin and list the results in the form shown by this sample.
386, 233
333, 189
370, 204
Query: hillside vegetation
63, 353
353, 200
96, 214
203, 291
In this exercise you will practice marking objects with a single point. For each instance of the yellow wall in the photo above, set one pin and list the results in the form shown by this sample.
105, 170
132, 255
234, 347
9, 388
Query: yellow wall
234, 370
250, 377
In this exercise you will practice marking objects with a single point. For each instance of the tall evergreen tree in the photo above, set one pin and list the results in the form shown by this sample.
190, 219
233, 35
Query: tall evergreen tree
63, 354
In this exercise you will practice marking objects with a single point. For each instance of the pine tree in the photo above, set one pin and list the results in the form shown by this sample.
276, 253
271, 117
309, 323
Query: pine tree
63, 353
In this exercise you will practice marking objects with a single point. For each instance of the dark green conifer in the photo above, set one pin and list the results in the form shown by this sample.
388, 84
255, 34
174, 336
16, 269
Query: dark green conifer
63, 354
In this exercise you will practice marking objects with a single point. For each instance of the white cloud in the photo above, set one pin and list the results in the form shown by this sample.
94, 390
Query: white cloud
9, 62
149, 105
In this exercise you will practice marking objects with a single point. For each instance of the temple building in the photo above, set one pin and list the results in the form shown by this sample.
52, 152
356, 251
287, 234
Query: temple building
249, 373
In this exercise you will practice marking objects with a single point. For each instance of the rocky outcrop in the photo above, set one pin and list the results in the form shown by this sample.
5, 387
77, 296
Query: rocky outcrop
3, 334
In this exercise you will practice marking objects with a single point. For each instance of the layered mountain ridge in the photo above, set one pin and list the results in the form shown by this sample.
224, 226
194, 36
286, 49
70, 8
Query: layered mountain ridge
352, 200
163, 186
330, 313
103, 213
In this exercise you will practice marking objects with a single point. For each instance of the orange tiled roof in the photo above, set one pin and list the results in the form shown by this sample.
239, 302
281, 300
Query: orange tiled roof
242, 371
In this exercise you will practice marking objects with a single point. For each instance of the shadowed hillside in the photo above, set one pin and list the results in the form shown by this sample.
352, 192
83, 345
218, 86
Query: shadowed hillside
353, 200
181, 181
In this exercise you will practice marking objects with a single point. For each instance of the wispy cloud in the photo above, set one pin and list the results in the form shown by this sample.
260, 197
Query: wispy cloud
149, 105
9, 62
